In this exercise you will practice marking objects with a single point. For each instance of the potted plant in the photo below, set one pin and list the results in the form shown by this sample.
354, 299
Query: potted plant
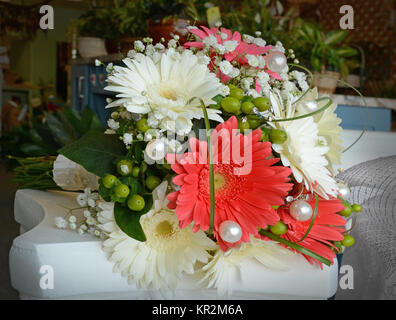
167, 18
328, 58
130, 22
94, 27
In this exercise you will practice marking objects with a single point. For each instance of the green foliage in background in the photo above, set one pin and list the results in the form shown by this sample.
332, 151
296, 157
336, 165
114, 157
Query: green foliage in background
325, 49
45, 134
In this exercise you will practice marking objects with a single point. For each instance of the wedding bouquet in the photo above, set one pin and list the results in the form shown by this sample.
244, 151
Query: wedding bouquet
217, 150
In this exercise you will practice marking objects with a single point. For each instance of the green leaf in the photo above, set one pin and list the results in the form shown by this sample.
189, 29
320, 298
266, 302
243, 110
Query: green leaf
129, 221
33, 150
95, 151
63, 132
346, 52
335, 36
296, 246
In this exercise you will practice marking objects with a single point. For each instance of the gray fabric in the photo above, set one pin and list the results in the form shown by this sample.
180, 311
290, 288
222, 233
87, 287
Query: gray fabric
373, 257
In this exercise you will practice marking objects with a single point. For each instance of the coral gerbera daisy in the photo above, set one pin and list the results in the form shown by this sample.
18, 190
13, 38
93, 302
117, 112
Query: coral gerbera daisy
327, 227
164, 89
167, 253
242, 197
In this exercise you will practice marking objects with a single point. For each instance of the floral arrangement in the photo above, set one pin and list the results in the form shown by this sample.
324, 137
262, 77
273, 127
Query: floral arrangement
217, 150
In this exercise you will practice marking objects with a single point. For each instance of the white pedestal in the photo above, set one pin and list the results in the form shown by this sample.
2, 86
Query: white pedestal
81, 270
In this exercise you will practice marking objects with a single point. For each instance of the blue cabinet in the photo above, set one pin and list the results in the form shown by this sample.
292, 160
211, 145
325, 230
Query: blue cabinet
87, 89
354, 118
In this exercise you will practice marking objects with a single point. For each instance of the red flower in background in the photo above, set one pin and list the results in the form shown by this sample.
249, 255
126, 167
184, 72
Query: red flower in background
243, 198
327, 227
239, 54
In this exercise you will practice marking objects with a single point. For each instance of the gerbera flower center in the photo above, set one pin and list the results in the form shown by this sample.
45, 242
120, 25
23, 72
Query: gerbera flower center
164, 229
168, 92
227, 185
219, 181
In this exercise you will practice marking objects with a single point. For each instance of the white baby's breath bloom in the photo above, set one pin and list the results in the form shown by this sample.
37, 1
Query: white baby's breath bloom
98, 63
114, 125
60, 222
139, 46
225, 90
131, 54
110, 68
248, 38
159, 46
109, 131
80, 231
91, 221
167, 254
261, 62
230, 45
72, 226
223, 36
234, 73
225, 67
259, 42
210, 40
172, 43
246, 83
127, 138
252, 60
219, 48
72, 218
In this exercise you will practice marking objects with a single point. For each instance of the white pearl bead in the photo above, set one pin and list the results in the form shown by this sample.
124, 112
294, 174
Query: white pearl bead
276, 61
156, 149
301, 210
310, 106
344, 191
230, 231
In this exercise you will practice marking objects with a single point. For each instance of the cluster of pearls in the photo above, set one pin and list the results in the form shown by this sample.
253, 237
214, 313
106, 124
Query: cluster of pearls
276, 61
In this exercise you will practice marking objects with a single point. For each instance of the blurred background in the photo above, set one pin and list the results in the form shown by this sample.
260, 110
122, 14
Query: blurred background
51, 91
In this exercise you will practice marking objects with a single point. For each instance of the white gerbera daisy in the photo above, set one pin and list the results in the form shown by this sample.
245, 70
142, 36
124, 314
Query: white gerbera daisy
166, 88
167, 253
328, 124
304, 150
227, 267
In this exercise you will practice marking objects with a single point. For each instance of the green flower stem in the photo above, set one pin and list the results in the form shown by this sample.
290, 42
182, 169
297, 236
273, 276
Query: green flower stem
296, 246
211, 168
312, 220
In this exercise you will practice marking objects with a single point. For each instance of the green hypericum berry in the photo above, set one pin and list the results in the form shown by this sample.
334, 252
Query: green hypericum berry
356, 207
348, 241
142, 125
136, 202
254, 121
152, 182
346, 212
279, 229
247, 107
124, 167
243, 125
264, 136
231, 105
109, 180
122, 191
135, 172
277, 136
262, 103
236, 93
